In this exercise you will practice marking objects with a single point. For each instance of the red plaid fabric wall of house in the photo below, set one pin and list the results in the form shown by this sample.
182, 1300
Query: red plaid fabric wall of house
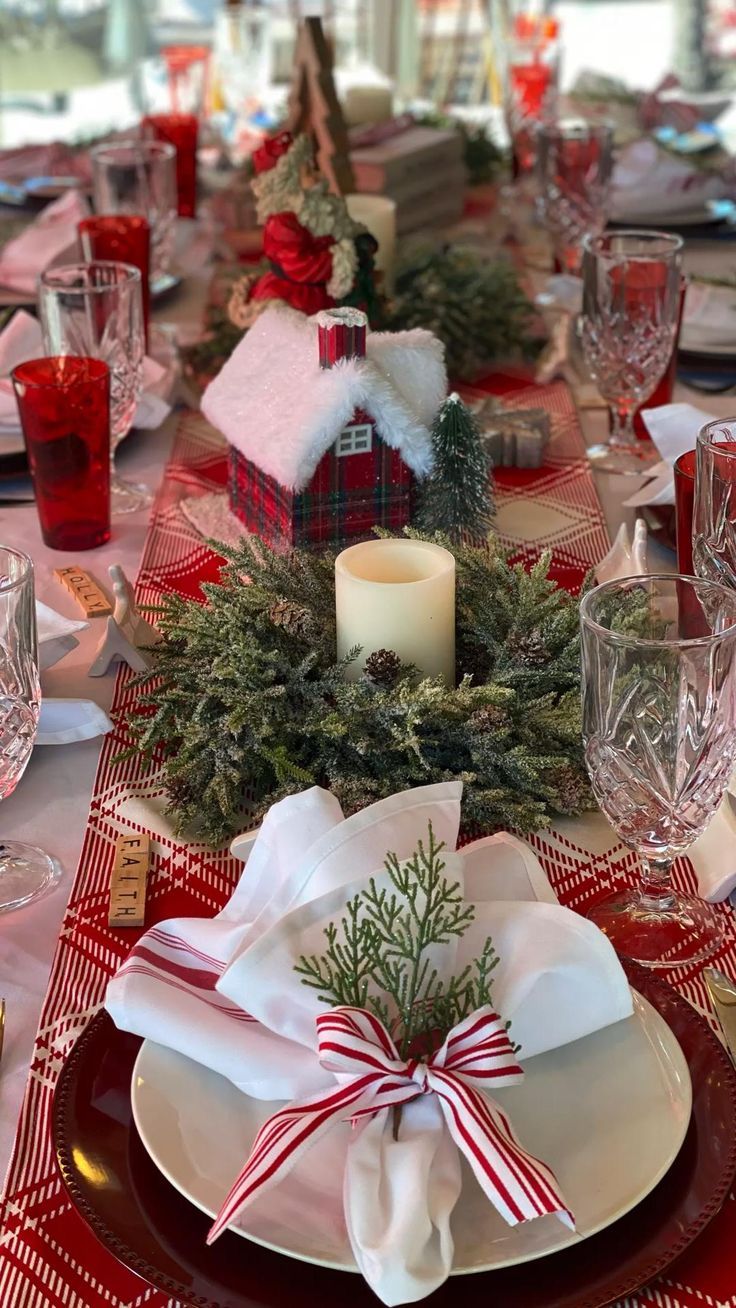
345, 499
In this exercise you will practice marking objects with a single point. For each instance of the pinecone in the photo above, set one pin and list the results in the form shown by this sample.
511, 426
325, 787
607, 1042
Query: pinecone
571, 792
528, 647
293, 618
383, 667
489, 718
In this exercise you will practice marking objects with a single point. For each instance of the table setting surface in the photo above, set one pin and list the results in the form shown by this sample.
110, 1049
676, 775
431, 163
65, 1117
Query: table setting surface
102, 1204
556, 506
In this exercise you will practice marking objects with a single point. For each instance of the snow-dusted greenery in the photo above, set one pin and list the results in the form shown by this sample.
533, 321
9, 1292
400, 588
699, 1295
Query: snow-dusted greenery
245, 697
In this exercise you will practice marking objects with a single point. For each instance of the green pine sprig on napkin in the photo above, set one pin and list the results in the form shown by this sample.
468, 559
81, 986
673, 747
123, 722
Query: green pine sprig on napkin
380, 956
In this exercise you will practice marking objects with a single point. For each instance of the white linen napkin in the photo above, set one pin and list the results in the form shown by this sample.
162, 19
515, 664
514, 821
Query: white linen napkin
189, 985
22, 339
56, 635
65, 721
713, 855
648, 182
709, 318
23, 259
674, 430
19, 340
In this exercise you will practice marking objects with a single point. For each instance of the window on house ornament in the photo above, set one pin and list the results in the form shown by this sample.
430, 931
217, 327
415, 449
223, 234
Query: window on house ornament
357, 439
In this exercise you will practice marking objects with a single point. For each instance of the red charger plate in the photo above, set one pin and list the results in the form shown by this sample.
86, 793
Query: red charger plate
141, 1219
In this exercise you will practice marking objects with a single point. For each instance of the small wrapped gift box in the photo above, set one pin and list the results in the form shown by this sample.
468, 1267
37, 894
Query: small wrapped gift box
513, 438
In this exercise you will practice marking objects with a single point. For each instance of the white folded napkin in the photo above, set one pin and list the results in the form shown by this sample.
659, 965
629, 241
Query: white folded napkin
648, 182
64, 721
23, 259
56, 635
22, 339
153, 406
19, 340
709, 318
674, 430
713, 855
224, 992
561, 292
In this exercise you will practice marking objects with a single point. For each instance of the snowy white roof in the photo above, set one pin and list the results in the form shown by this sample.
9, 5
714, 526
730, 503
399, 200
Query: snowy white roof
274, 403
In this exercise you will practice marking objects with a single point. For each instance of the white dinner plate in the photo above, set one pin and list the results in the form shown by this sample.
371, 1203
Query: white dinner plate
607, 1113
699, 217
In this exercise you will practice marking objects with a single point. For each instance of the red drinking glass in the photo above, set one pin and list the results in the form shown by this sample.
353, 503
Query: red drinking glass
714, 514
120, 238
684, 506
665, 389
532, 70
179, 130
64, 405
188, 71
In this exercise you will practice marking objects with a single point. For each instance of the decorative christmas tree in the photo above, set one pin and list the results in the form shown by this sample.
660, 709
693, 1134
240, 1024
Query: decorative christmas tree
457, 499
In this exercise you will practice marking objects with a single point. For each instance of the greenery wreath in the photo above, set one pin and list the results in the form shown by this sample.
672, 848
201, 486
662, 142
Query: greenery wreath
245, 701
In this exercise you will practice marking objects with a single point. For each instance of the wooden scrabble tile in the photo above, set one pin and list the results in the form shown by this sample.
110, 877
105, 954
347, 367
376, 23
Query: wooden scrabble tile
128, 881
85, 590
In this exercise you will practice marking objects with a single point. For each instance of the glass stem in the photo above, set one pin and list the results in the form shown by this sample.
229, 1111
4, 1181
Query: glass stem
656, 892
622, 423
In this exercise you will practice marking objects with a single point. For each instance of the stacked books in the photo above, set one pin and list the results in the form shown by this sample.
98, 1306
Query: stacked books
420, 168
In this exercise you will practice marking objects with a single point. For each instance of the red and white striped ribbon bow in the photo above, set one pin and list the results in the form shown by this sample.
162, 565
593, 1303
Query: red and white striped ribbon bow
476, 1056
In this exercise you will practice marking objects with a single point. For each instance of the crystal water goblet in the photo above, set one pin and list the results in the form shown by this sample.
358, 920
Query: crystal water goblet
659, 733
25, 872
139, 177
574, 166
96, 310
631, 299
714, 511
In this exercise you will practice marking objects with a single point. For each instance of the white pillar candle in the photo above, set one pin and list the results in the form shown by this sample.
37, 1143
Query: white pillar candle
397, 595
378, 214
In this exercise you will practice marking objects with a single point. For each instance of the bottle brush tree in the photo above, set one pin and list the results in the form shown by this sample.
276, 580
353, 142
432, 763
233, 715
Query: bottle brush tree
457, 499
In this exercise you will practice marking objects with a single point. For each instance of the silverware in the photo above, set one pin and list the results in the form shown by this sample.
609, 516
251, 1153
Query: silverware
2, 1026
722, 991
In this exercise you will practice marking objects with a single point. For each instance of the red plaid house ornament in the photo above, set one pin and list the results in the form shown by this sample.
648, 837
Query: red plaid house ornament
342, 436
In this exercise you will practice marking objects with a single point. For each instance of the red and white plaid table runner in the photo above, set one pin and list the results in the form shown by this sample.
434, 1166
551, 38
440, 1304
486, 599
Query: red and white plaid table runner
48, 1258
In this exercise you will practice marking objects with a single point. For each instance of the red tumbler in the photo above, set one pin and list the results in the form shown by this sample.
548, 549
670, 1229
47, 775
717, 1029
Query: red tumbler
665, 388
179, 130
64, 405
120, 238
684, 504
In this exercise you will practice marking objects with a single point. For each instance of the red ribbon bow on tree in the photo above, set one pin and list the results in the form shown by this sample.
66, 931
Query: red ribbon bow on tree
356, 1046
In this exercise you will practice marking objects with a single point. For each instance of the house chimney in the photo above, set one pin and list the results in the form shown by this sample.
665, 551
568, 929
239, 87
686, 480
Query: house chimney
342, 335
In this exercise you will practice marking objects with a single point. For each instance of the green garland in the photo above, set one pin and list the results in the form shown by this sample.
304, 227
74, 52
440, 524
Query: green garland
245, 698
484, 160
474, 304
